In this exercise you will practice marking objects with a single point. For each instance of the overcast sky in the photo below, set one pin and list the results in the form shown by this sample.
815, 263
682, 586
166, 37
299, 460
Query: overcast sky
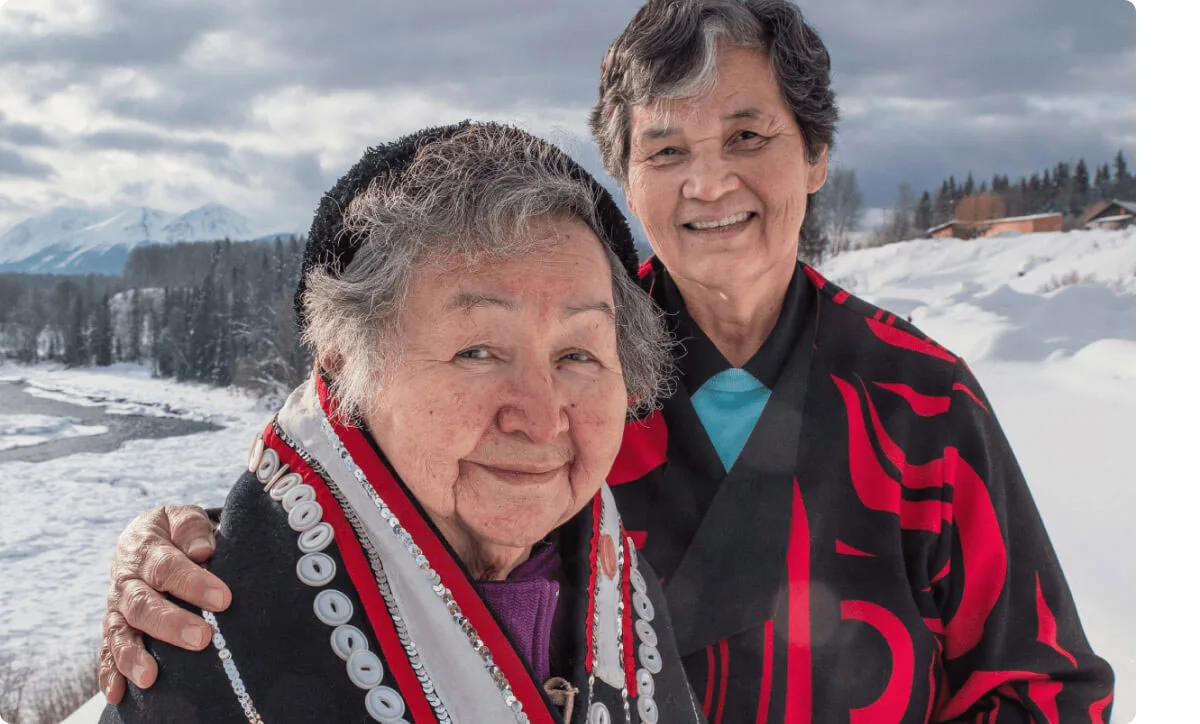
262, 104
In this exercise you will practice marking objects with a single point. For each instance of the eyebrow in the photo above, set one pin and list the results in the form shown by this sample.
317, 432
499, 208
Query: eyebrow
466, 301
654, 134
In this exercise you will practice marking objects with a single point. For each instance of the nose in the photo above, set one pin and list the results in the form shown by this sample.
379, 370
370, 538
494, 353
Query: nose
535, 406
710, 175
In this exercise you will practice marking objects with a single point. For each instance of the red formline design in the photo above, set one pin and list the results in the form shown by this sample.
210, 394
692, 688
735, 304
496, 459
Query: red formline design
453, 577
723, 648
928, 475
1048, 626
841, 297
960, 387
875, 488
984, 558
639, 538
1096, 710
899, 338
815, 277
978, 685
1044, 695
921, 404
893, 702
849, 550
643, 448
798, 707
768, 671
363, 580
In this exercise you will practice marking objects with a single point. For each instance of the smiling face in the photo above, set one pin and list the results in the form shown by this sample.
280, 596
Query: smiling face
720, 180
507, 406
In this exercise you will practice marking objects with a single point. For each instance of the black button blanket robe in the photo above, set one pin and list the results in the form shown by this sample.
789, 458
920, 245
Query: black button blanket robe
874, 555
348, 606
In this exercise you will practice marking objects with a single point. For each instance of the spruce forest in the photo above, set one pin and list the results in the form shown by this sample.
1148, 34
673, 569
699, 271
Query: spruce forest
215, 312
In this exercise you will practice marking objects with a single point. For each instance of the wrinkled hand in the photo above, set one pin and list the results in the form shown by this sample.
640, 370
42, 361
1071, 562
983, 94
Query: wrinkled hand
157, 552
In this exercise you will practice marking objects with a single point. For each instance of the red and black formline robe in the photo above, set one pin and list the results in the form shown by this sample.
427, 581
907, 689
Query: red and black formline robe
874, 554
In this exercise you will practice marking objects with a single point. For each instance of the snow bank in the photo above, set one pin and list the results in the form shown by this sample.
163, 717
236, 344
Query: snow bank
25, 430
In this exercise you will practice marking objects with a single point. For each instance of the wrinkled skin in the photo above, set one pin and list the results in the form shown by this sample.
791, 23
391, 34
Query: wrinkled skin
503, 418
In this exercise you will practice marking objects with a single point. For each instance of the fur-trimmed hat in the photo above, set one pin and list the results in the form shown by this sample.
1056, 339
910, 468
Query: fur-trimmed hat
329, 247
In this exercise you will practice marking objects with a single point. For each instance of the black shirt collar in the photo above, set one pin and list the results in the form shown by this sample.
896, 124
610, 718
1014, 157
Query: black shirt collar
700, 359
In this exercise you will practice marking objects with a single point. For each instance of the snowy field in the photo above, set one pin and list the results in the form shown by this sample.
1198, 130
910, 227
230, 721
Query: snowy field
25, 430
1045, 320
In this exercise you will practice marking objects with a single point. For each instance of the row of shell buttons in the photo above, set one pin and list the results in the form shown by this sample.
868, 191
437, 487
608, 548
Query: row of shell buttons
316, 569
648, 654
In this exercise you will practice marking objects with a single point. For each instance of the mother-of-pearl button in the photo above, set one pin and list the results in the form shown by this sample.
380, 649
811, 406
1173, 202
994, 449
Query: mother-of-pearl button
598, 714
638, 581
267, 465
280, 487
333, 607
315, 539
385, 705
315, 569
347, 639
645, 683
365, 669
256, 452
645, 632
296, 495
304, 516
650, 658
641, 604
647, 710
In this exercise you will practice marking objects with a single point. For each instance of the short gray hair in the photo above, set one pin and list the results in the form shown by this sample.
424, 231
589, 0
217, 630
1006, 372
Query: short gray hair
472, 195
669, 50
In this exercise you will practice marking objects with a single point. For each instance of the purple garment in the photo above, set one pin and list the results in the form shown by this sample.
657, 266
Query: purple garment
525, 603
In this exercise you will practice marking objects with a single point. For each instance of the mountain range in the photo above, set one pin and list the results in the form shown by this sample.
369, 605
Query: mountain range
74, 240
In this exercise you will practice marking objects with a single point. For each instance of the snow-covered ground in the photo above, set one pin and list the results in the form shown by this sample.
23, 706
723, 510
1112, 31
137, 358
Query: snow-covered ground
25, 430
1045, 320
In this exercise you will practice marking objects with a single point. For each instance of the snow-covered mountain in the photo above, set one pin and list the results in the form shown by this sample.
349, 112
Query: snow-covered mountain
73, 240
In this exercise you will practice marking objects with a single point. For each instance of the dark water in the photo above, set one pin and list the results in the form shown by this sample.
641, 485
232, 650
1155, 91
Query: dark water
16, 401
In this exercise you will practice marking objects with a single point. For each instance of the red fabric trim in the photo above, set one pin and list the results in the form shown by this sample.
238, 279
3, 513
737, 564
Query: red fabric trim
878, 315
645, 268
723, 647
815, 277
923, 405
798, 708
841, 297
899, 338
643, 448
841, 547
355, 562
708, 686
768, 670
627, 619
590, 636
1048, 626
933, 661
639, 538
440, 557
978, 685
893, 702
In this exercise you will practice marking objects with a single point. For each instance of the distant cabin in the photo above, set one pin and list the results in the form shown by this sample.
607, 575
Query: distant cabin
1109, 215
1030, 224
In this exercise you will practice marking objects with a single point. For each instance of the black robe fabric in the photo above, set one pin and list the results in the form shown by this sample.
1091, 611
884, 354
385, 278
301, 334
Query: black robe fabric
874, 554
283, 652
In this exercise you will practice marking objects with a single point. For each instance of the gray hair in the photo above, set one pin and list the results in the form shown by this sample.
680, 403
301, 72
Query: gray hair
471, 196
669, 50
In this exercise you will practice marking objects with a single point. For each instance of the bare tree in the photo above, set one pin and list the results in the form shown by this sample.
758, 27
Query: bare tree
899, 223
841, 207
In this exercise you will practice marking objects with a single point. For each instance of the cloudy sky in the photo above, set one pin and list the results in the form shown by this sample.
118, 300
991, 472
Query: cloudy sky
262, 104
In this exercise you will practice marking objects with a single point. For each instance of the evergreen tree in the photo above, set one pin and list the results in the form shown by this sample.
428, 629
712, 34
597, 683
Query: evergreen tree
101, 333
137, 315
969, 187
1081, 189
923, 217
1123, 181
1103, 182
75, 347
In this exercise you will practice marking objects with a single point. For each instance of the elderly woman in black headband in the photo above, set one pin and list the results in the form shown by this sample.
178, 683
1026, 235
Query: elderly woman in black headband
842, 528
423, 533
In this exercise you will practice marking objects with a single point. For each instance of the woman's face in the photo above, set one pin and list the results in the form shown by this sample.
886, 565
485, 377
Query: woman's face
720, 180
507, 406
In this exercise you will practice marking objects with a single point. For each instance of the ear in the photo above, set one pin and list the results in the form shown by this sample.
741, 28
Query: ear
818, 172
331, 362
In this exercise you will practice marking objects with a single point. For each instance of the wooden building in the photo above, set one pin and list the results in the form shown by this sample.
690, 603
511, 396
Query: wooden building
1030, 224
1109, 215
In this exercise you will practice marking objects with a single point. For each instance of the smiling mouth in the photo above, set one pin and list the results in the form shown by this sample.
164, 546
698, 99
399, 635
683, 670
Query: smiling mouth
720, 224
524, 477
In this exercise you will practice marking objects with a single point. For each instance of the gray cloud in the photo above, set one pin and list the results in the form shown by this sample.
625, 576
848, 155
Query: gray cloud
929, 88
14, 164
144, 142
